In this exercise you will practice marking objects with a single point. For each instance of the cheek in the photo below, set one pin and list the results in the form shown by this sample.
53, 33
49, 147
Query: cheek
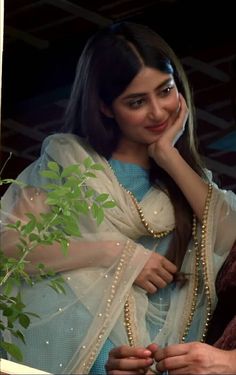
174, 104
129, 118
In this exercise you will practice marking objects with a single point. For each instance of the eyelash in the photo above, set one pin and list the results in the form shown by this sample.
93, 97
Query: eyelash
166, 91
135, 104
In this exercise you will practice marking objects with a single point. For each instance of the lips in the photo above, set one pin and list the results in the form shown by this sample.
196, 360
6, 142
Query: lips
157, 128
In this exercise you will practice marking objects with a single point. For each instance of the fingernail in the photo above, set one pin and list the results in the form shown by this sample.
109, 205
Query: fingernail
147, 352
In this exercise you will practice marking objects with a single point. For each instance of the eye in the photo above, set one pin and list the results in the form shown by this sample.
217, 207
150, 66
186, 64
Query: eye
166, 91
136, 103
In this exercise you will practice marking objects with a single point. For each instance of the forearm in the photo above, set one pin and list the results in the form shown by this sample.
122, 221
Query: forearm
232, 361
80, 253
193, 187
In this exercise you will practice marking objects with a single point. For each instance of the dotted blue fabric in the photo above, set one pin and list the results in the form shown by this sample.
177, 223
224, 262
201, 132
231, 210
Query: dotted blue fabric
133, 177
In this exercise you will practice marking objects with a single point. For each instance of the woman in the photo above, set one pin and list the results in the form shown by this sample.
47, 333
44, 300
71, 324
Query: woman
131, 111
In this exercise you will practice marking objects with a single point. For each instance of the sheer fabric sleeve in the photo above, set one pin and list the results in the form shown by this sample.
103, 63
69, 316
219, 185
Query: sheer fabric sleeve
99, 246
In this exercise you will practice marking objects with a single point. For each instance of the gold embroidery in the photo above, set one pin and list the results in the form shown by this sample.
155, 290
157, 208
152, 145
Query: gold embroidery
200, 260
127, 253
147, 226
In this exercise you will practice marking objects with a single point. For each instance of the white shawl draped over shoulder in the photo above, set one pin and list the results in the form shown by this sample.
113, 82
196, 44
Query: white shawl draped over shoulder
108, 257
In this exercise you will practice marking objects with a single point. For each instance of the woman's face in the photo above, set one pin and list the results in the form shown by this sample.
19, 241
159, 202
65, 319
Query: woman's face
147, 107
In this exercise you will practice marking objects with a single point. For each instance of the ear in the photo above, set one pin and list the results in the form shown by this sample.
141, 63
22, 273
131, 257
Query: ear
106, 110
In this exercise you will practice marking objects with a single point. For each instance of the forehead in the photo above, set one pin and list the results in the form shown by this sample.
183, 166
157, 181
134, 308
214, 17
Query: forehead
146, 80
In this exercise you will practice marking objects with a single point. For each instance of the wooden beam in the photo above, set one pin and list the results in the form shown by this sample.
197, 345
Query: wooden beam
26, 37
80, 12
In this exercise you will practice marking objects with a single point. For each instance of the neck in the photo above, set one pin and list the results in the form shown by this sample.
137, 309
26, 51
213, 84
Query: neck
132, 153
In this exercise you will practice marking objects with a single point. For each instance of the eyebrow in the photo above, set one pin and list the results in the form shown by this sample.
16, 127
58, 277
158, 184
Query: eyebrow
138, 94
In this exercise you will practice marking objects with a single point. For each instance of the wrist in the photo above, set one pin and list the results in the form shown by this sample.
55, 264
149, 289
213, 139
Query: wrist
168, 159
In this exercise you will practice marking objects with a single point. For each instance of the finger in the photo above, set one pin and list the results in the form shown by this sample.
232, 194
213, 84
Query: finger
178, 126
165, 275
169, 266
171, 351
183, 110
125, 351
157, 280
150, 287
128, 364
153, 347
172, 363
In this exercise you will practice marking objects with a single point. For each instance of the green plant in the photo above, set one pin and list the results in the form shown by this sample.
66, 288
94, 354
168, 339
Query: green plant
68, 197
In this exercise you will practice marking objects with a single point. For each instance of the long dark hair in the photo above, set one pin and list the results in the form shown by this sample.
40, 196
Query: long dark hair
107, 65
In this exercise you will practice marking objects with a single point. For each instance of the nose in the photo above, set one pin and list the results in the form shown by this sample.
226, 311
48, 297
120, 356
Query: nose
155, 110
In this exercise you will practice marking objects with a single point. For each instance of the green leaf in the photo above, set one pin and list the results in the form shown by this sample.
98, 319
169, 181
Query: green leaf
29, 227
18, 223
64, 246
39, 226
59, 192
7, 311
53, 166
102, 197
82, 207
7, 181
41, 267
34, 237
20, 335
9, 325
50, 174
73, 231
66, 212
97, 213
74, 194
109, 204
23, 242
68, 171
12, 181
89, 192
100, 215
12, 349
13, 226
51, 201
94, 210
97, 167
88, 162
24, 320
50, 186
56, 285
30, 216
89, 174
73, 182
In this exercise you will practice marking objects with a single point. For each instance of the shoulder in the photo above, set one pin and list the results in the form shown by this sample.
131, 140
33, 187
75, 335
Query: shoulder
60, 140
66, 148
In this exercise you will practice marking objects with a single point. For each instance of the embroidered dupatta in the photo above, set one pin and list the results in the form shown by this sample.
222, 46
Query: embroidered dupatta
106, 260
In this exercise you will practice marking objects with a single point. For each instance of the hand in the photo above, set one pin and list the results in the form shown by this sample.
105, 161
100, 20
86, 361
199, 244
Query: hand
195, 358
129, 360
157, 273
160, 149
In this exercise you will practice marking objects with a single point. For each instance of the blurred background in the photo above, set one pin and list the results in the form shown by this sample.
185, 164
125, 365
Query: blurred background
43, 41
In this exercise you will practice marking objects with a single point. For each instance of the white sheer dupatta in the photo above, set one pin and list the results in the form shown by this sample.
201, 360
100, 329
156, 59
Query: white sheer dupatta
107, 259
